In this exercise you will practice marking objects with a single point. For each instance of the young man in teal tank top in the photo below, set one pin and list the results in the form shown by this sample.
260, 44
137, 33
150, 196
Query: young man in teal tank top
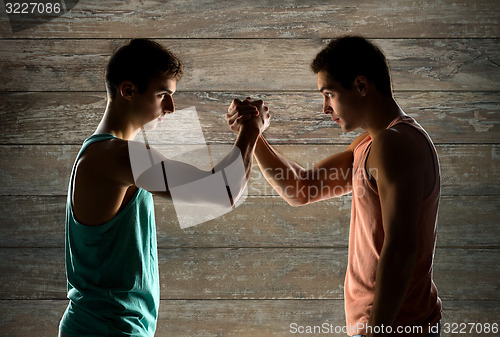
392, 172
111, 258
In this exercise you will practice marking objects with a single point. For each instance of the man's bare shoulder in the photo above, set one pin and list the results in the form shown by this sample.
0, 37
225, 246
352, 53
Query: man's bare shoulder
107, 159
356, 141
400, 137
396, 149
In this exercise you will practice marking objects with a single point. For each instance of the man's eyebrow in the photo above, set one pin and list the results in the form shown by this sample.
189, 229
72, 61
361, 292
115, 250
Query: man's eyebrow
167, 90
323, 89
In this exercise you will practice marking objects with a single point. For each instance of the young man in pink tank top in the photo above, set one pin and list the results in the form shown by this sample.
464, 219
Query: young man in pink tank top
391, 170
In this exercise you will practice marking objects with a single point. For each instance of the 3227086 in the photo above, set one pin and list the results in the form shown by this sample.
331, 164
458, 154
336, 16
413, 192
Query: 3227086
32, 8
469, 328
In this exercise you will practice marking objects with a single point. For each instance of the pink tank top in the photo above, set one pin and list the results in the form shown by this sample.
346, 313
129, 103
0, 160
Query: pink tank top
421, 306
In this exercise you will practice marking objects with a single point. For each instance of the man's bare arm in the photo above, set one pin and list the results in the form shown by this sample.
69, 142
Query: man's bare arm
116, 166
297, 185
398, 167
167, 174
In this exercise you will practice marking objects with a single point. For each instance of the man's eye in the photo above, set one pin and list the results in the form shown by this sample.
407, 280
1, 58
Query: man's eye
328, 94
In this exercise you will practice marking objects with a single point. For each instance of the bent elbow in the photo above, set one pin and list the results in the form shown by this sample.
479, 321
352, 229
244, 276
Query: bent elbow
296, 194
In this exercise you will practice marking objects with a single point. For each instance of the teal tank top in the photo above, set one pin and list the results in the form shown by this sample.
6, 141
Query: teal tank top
112, 269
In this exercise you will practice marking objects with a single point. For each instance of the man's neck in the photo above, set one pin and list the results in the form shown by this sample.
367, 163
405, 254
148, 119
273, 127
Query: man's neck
116, 121
384, 111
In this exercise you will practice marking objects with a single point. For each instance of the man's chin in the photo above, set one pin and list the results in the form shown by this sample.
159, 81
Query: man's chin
151, 125
347, 129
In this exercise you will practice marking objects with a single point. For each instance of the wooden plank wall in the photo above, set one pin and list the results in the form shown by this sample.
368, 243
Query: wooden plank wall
266, 265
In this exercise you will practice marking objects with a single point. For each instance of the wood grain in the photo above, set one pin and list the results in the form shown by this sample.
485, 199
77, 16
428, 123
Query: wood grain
244, 65
465, 222
264, 19
241, 275
68, 118
238, 318
249, 273
45, 169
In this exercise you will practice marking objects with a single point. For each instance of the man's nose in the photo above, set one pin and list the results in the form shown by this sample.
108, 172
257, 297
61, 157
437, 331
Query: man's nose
326, 107
168, 104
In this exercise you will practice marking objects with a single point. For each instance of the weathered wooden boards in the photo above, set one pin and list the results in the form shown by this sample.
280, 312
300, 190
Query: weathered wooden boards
228, 318
270, 19
249, 65
44, 169
69, 117
265, 265
464, 222
248, 273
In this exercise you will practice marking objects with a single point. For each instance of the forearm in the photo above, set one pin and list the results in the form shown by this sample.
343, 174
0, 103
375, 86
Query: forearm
246, 142
237, 165
190, 185
394, 272
282, 174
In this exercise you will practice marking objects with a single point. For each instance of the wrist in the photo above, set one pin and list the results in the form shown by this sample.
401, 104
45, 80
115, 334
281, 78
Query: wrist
249, 130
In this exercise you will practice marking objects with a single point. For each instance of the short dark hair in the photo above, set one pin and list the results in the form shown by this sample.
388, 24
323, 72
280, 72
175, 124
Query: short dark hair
347, 57
140, 61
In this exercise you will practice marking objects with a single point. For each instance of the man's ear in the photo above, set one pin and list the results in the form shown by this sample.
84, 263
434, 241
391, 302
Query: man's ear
127, 90
362, 84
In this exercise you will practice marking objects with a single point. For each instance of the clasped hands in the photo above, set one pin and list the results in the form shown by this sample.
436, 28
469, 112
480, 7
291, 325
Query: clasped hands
248, 112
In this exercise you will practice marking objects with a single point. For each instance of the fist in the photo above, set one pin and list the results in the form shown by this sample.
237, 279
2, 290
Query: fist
249, 112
